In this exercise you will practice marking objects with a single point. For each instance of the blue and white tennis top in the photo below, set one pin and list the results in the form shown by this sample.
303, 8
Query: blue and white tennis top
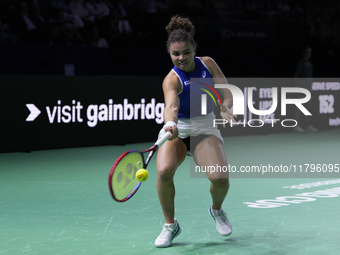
190, 97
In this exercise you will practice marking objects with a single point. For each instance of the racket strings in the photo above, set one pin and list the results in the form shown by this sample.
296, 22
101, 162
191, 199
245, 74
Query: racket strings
123, 180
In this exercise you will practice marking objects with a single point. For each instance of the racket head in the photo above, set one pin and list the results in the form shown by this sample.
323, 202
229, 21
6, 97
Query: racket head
122, 177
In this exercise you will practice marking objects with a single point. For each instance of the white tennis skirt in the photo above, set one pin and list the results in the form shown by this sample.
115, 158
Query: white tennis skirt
196, 126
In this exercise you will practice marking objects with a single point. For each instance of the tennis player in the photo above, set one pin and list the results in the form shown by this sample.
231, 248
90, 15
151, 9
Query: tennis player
206, 145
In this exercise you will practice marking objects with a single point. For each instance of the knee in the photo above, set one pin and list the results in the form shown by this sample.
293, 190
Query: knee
165, 172
220, 182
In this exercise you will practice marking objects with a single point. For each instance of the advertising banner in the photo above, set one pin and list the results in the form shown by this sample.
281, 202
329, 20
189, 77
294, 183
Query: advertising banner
47, 112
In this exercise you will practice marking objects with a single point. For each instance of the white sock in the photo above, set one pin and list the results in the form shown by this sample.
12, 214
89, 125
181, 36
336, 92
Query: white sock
169, 224
216, 210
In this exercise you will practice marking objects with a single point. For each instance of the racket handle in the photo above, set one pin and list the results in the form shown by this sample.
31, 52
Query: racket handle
163, 139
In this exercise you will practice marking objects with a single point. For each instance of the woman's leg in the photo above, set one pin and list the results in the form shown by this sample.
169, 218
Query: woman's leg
170, 155
210, 152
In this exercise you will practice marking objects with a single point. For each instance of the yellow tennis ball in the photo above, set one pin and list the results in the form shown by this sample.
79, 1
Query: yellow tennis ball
142, 175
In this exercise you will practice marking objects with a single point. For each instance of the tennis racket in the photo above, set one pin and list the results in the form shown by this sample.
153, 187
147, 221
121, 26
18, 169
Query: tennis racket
122, 177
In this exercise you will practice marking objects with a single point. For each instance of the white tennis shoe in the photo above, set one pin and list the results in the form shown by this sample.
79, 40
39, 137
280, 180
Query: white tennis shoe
223, 225
169, 232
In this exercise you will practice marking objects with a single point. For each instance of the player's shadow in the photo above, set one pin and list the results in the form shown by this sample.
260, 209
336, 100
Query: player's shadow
192, 247
199, 245
200, 248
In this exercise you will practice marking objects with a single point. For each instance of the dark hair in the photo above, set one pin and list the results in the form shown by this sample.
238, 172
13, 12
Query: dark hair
180, 30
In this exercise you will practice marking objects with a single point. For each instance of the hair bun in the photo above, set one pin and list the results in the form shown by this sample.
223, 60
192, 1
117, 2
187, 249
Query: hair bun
178, 22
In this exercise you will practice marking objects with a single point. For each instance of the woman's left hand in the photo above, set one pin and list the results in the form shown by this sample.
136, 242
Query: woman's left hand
228, 115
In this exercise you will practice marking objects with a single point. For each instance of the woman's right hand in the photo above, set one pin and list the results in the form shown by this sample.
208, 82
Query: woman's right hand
174, 132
